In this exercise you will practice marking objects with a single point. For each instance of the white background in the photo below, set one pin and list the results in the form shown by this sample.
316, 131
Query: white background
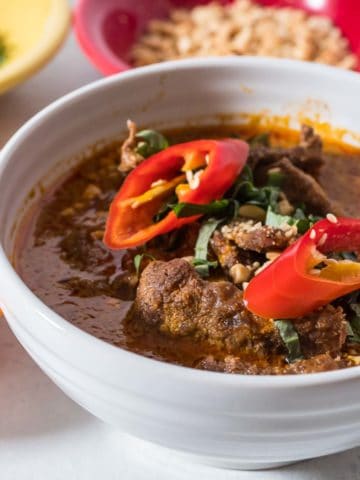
43, 434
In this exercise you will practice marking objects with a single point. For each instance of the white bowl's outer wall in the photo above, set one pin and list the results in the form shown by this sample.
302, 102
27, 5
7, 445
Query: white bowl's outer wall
227, 420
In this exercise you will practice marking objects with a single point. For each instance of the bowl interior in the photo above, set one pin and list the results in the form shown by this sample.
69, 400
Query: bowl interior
107, 30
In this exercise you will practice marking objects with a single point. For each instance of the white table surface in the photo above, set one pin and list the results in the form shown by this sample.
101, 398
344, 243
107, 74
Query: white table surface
43, 434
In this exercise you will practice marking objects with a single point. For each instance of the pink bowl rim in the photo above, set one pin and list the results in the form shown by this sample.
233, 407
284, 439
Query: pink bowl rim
108, 65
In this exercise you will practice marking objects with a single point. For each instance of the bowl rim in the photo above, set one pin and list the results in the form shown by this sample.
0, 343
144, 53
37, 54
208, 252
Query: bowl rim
107, 64
15, 283
57, 26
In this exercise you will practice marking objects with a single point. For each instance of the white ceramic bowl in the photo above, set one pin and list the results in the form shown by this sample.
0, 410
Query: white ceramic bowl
226, 420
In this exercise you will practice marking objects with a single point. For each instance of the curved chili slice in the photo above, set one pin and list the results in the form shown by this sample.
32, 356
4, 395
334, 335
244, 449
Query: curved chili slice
148, 186
291, 286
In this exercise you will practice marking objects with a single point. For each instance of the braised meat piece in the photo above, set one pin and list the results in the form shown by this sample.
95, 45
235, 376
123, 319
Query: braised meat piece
319, 363
307, 156
323, 331
233, 364
226, 252
251, 235
310, 140
173, 298
300, 187
301, 167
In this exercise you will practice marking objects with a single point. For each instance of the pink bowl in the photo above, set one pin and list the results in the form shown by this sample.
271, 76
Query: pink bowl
106, 29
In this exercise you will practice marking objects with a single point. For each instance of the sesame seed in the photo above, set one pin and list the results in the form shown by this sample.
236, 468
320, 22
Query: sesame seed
331, 217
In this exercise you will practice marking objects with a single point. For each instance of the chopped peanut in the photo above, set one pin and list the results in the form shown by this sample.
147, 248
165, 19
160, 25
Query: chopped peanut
243, 28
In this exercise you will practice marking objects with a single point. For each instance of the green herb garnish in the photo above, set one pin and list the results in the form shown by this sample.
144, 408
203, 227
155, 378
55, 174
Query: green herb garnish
276, 219
200, 262
245, 191
302, 222
291, 340
189, 209
354, 305
353, 330
150, 142
139, 258
203, 266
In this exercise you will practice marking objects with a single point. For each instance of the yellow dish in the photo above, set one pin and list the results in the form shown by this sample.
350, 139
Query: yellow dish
31, 31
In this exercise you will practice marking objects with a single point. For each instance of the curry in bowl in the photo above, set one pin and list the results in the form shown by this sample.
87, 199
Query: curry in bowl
224, 248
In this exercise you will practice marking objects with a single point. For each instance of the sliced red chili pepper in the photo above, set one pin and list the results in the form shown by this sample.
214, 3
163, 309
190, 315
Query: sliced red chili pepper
291, 287
146, 188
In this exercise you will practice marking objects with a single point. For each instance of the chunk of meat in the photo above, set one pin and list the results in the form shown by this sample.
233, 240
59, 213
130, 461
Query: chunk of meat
233, 364
226, 252
319, 363
300, 187
129, 157
323, 331
173, 298
248, 235
307, 155
310, 140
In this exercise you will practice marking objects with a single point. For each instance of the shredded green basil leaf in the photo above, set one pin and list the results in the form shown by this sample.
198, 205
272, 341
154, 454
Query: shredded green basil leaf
291, 340
302, 222
200, 262
202, 242
355, 317
203, 266
276, 219
244, 191
351, 304
353, 330
189, 209
150, 142
139, 258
